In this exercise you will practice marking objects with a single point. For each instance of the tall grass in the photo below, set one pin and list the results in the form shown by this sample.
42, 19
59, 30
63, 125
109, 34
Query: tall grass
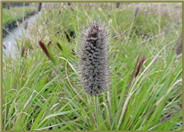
41, 95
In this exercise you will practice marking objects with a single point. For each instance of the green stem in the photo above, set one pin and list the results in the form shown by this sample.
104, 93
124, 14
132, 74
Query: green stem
96, 109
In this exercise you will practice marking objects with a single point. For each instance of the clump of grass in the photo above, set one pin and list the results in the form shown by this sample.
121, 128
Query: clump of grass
38, 95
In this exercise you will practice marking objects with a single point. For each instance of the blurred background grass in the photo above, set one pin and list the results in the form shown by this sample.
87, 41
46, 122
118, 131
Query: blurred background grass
12, 13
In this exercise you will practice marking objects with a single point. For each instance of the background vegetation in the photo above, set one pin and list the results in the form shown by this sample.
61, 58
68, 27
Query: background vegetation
16, 13
39, 94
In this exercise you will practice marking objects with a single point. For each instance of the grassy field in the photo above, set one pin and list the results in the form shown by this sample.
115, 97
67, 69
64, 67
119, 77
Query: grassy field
41, 95
15, 13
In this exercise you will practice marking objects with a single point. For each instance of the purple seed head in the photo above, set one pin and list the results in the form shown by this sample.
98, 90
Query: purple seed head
136, 12
178, 47
93, 60
59, 46
42, 45
49, 43
4, 47
23, 50
139, 65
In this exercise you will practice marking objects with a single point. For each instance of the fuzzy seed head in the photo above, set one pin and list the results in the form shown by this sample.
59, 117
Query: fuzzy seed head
93, 61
